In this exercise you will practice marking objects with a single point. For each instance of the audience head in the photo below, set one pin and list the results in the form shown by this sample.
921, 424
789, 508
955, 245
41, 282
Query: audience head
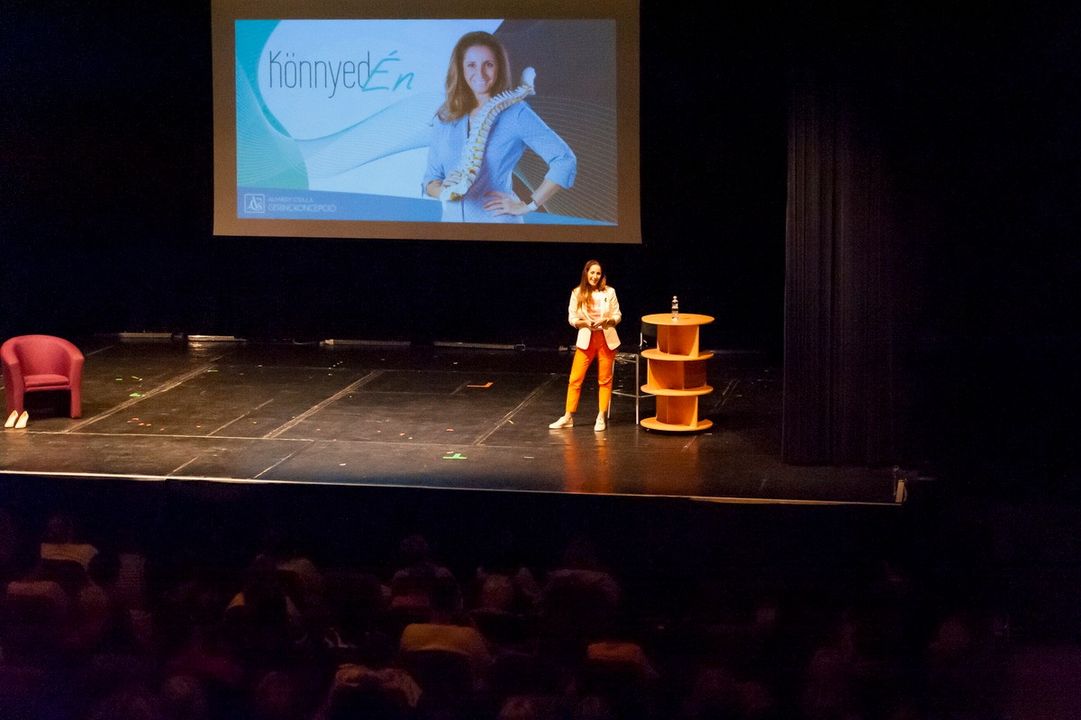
359, 692
130, 703
104, 568
497, 592
532, 707
264, 594
581, 554
185, 698
714, 694
276, 696
59, 529
593, 708
445, 595
413, 550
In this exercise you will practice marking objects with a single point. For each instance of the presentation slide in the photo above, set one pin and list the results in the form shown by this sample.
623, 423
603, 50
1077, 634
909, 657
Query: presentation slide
474, 128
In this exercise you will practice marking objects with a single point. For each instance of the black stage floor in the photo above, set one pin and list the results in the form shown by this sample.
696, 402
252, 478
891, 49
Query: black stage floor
437, 416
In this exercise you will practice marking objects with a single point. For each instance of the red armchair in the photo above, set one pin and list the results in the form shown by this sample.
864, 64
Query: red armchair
35, 363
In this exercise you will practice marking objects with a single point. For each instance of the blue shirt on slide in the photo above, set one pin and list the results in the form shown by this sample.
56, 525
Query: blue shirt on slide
516, 128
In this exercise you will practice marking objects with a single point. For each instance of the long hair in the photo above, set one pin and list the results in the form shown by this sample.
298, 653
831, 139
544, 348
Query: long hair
585, 290
460, 99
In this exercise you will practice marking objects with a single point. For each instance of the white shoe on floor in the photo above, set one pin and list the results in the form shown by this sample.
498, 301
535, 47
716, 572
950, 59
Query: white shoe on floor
11, 419
21, 422
601, 424
564, 422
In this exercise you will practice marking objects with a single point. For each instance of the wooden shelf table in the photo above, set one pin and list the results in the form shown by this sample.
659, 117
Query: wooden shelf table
676, 372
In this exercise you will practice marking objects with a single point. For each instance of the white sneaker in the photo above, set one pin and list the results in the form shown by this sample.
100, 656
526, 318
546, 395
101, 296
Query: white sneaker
601, 424
564, 422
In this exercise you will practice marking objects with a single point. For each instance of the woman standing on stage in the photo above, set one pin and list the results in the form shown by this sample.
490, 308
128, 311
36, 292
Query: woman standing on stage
594, 312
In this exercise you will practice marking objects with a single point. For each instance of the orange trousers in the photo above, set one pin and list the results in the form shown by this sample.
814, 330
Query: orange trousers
582, 360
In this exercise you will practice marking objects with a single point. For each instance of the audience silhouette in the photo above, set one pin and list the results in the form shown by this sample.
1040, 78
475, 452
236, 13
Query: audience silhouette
114, 625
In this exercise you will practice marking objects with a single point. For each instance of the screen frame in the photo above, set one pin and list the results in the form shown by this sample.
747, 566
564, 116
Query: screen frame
625, 13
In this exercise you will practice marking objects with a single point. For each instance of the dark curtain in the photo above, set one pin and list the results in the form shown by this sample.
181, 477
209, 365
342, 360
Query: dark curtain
840, 384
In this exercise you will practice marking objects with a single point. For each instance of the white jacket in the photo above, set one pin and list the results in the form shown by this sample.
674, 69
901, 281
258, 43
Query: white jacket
608, 306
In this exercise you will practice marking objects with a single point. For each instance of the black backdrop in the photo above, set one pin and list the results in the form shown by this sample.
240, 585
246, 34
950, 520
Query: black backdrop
106, 167
110, 165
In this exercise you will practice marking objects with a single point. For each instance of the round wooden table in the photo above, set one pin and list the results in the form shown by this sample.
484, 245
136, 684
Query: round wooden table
676, 372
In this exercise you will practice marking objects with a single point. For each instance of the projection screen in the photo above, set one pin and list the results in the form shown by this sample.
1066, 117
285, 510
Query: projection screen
360, 120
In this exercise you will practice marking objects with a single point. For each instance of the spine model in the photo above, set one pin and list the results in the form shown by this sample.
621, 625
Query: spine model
473, 151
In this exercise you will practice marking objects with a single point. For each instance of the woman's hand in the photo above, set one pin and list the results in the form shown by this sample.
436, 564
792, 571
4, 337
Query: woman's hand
504, 204
435, 188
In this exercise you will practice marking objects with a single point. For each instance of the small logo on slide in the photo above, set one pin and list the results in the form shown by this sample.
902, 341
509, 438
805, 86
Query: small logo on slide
254, 203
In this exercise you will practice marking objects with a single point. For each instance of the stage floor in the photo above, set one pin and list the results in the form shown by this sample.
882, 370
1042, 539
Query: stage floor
405, 416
